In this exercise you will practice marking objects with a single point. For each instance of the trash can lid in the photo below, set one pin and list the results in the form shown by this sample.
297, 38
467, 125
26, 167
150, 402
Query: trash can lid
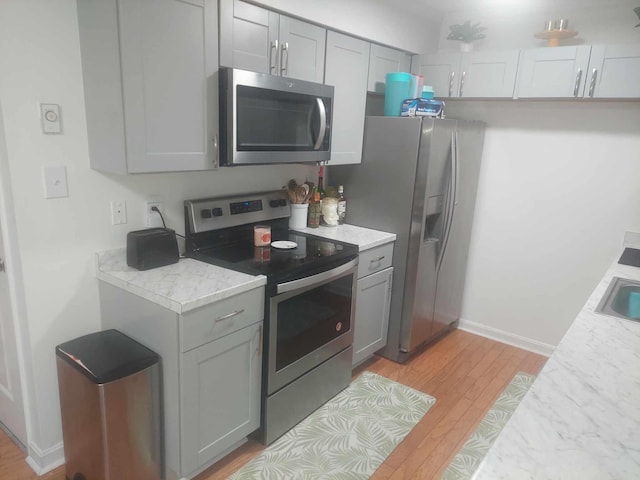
106, 356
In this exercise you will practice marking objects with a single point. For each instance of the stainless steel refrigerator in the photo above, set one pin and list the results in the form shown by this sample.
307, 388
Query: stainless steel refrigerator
418, 179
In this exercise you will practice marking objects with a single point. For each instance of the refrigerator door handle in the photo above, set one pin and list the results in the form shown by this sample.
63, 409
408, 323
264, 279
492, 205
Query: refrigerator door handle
452, 196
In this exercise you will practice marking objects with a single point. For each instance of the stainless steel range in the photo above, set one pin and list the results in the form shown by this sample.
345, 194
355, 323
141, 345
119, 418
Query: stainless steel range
309, 301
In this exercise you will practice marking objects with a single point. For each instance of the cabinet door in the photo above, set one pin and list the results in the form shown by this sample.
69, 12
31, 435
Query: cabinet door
347, 65
248, 37
614, 72
441, 71
488, 75
302, 47
557, 72
169, 55
383, 60
372, 314
219, 395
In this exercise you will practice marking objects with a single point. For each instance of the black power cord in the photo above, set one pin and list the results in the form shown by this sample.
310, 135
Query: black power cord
156, 209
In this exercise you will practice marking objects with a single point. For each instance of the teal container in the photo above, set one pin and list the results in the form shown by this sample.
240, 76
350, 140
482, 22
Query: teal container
634, 304
427, 92
396, 90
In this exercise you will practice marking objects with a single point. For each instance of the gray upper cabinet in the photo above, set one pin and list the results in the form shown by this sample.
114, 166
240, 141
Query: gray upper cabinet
441, 71
257, 39
149, 77
383, 60
469, 75
347, 65
488, 74
248, 36
558, 72
614, 72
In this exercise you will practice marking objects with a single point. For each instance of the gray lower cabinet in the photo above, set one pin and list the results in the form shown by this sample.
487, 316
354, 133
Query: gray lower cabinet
373, 301
220, 389
149, 81
211, 365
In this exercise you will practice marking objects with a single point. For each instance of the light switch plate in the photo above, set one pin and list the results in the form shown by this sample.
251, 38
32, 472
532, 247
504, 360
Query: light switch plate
51, 120
55, 182
118, 212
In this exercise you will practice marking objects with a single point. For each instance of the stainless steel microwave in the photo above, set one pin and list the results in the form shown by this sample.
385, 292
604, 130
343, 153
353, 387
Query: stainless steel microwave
268, 119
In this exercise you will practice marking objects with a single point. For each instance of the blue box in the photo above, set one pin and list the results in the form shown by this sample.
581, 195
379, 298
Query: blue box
422, 107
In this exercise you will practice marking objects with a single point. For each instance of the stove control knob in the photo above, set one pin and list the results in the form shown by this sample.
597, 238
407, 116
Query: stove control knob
282, 202
205, 213
217, 212
273, 203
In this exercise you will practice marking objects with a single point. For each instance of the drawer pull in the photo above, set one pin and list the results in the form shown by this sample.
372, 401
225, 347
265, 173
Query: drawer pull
229, 315
378, 259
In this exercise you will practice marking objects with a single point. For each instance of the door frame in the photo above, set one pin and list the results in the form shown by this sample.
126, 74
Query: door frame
17, 297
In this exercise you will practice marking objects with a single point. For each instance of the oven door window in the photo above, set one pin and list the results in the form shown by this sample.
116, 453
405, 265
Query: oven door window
269, 120
312, 319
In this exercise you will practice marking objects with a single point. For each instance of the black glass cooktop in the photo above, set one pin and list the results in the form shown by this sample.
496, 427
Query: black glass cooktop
311, 255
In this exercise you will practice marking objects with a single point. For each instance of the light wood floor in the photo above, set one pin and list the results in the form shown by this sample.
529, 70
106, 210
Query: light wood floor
464, 372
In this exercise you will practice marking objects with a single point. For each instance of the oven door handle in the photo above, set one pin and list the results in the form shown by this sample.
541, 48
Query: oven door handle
316, 279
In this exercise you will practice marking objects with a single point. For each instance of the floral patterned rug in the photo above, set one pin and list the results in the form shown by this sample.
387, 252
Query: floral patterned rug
467, 460
347, 438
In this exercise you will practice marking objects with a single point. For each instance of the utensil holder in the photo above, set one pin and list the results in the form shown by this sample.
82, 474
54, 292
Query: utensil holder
298, 218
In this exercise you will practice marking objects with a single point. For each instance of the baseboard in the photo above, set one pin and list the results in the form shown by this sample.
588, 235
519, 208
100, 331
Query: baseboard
506, 337
43, 461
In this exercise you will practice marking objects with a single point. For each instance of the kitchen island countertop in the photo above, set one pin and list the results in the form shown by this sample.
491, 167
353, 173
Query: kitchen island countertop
581, 417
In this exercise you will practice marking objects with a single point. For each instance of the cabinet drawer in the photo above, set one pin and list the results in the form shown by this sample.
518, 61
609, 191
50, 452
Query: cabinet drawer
375, 259
221, 318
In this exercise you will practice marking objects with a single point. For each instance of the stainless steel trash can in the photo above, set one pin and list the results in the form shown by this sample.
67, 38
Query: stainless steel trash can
111, 411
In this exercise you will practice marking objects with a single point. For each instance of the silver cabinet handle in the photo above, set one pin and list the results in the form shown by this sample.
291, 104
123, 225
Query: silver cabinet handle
464, 74
260, 342
273, 59
216, 155
2, 268
323, 124
453, 75
284, 67
229, 315
378, 259
592, 85
576, 88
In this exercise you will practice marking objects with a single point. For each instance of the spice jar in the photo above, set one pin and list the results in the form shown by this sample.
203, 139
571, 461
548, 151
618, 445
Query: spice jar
330, 211
315, 211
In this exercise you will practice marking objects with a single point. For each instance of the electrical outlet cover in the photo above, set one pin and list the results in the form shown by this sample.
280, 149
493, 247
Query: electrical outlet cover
152, 218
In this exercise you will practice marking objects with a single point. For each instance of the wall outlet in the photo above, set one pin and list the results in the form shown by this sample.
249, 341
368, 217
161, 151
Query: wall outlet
152, 218
118, 212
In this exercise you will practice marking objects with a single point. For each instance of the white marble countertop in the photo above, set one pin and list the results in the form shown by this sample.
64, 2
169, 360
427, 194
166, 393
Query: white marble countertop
581, 417
190, 283
180, 287
364, 238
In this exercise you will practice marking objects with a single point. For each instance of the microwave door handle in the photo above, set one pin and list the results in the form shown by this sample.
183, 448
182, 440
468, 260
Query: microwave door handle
323, 124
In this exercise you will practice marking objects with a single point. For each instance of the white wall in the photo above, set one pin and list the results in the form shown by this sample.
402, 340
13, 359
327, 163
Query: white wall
559, 186
383, 21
